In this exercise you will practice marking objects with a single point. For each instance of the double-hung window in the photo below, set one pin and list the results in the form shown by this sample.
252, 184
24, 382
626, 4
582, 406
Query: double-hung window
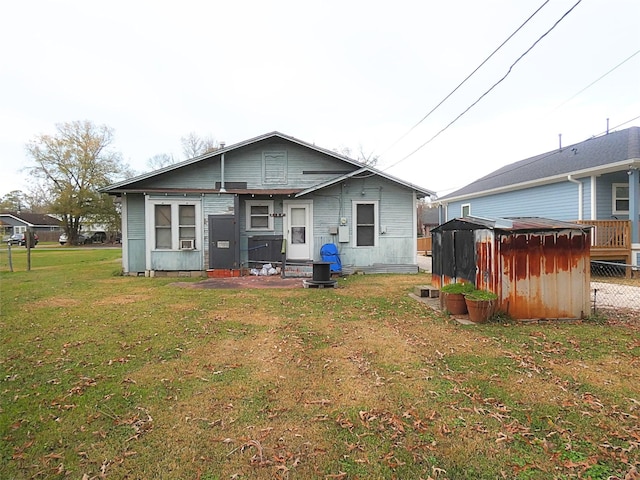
365, 216
620, 200
259, 214
175, 226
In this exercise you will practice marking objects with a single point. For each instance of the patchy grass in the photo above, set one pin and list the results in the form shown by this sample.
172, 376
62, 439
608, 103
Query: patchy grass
104, 376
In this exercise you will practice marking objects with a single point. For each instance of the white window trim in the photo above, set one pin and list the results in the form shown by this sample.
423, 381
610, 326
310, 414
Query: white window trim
376, 222
462, 207
614, 198
20, 229
259, 203
175, 230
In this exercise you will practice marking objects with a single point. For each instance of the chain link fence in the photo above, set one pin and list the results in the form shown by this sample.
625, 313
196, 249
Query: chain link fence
615, 288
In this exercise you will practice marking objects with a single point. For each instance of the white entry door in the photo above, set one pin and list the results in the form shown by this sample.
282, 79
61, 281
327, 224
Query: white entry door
299, 230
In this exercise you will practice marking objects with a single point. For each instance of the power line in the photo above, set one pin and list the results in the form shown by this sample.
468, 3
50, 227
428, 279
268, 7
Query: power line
597, 80
549, 154
489, 90
467, 78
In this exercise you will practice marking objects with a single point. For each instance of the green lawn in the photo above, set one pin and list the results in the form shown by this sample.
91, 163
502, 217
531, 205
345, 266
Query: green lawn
105, 376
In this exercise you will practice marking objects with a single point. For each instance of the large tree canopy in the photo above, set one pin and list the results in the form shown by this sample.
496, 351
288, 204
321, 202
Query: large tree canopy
72, 165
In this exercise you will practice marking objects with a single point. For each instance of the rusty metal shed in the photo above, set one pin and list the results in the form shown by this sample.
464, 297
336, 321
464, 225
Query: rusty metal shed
538, 267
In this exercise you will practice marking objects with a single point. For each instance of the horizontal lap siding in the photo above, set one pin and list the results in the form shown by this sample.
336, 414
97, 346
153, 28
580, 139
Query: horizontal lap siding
201, 175
604, 195
397, 246
135, 233
246, 166
558, 201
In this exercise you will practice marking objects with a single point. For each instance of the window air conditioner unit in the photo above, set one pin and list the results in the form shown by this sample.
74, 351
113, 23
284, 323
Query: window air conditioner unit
186, 244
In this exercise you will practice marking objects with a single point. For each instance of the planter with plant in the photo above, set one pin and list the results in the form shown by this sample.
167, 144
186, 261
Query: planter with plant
454, 297
481, 305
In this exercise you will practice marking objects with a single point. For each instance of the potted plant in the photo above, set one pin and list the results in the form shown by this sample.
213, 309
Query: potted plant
480, 305
454, 297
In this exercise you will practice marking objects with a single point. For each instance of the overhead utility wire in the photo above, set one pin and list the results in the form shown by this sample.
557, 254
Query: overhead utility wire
549, 154
465, 80
487, 92
597, 80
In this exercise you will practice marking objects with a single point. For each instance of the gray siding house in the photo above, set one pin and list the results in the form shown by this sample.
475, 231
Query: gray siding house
269, 196
17, 222
595, 182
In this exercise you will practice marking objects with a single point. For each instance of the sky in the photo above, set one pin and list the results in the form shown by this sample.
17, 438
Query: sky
349, 73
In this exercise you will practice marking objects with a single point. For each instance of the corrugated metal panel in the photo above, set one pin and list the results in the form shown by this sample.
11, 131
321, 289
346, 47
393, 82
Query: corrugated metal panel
544, 275
536, 274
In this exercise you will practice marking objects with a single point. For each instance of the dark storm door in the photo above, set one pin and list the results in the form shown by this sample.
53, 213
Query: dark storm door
223, 242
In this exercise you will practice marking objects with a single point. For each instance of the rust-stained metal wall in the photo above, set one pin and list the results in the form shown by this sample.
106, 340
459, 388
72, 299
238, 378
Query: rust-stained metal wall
536, 274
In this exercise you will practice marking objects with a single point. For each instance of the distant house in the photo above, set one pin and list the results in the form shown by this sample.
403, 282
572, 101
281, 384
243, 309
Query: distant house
596, 182
263, 200
17, 222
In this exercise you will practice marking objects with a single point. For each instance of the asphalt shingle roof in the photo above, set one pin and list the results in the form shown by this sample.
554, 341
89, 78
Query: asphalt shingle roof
593, 153
38, 219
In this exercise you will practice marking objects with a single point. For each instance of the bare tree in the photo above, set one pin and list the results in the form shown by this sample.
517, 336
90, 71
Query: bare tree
194, 145
366, 158
160, 160
73, 165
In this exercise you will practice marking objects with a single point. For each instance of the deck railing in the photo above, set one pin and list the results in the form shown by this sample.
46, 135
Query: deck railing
609, 234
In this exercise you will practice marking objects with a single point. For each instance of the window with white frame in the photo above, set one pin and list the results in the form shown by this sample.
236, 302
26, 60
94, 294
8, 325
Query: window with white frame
259, 214
175, 226
465, 210
620, 200
20, 229
365, 216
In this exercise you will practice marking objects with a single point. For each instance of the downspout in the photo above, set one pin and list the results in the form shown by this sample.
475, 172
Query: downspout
222, 189
594, 198
580, 194
634, 203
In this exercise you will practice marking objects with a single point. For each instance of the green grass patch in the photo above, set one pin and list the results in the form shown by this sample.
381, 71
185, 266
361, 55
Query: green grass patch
103, 375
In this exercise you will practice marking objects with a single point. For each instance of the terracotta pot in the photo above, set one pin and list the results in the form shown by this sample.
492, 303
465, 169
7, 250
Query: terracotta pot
455, 304
480, 310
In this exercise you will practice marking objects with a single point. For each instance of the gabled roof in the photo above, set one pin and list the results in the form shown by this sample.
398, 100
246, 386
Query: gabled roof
119, 185
33, 219
367, 171
607, 153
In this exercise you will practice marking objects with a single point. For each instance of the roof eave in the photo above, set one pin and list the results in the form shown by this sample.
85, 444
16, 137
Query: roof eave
587, 172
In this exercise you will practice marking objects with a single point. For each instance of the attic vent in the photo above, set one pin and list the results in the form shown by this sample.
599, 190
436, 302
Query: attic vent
274, 167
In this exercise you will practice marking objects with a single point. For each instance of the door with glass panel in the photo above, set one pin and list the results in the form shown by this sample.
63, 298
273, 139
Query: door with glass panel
298, 230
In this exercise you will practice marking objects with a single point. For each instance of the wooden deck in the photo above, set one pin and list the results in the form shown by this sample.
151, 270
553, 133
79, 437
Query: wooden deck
610, 239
